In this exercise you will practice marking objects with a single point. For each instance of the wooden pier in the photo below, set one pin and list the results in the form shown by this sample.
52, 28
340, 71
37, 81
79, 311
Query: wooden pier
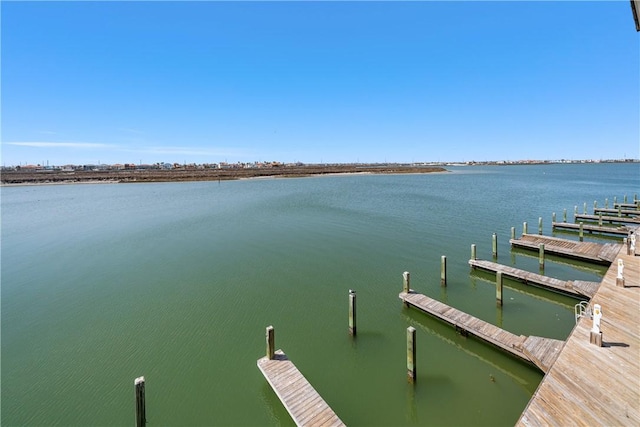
590, 228
612, 219
592, 385
302, 401
574, 288
539, 351
601, 253
622, 211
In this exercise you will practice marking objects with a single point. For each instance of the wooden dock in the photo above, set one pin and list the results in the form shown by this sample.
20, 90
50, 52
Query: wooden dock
592, 385
601, 253
539, 351
574, 288
622, 211
611, 219
302, 401
590, 228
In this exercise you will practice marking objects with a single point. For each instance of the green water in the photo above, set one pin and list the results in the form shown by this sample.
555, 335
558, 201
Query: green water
177, 282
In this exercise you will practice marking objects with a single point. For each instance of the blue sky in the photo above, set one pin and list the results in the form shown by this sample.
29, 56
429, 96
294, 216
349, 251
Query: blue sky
204, 82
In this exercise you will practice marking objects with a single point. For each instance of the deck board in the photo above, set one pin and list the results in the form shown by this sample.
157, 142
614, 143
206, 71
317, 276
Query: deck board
302, 401
601, 253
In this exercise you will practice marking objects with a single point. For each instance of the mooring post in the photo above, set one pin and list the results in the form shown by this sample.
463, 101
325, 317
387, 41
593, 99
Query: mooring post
352, 312
620, 276
411, 354
553, 217
539, 225
615, 201
270, 342
564, 215
575, 212
473, 251
584, 208
541, 255
513, 233
443, 270
524, 228
494, 245
606, 203
619, 211
600, 219
499, 288
581, 232
595, 337
595, 205
141, 415
406, 282
625, 198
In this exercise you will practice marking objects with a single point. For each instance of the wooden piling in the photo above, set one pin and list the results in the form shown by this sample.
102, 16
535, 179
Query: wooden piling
270, 342
600, 219
595, 205
541, 255
539, 225
473, 251
615, 200
499, 288
141, 415
352, 312
575, 211
494, 245
584, 208
513, 233
564, 215
406, 282
619, 211
553, 217
606, 203
524, 227
411, 354
581, 231
443, 270
625, 199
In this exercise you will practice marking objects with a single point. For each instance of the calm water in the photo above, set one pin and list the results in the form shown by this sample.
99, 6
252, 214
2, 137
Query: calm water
177, 282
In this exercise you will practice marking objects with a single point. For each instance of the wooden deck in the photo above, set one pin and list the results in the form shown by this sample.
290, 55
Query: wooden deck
590, 228
615, 212
590, 385
302, 401
574, 288
542, 352
612, 219
601, 253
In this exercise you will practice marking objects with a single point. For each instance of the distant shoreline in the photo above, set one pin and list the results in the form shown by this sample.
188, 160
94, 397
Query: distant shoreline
16, 178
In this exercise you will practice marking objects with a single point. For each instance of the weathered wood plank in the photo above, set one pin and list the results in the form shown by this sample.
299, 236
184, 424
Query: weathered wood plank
302, 401
608, 218
614, 230
601, 253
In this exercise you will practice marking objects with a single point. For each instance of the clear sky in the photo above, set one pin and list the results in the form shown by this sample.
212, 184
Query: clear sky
205, 82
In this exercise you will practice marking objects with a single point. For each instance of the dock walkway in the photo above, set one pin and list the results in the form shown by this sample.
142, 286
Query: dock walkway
620, 219
601, 253
542, 352
302, 401
617, 231
574, 288
591, 385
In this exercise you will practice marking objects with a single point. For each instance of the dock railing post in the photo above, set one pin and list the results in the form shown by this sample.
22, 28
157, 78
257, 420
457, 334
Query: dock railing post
620, 276
499, 288
443, 270
270, 343
352, 312
581, 232
406, 282
494, 245
473, 251
141, 415
541, 256
539, 225
411, 354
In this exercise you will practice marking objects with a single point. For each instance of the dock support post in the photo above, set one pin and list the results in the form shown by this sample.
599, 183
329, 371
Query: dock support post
595, 205
494, 245
619, 211
406, 282
606, 203
270, 343
473, 251
499, 288
575, 212
524, 228
584, 209
539, 225
564, 215
600, 219
411, 354
443, 270
352, 312
541, 255
141, 415
553, 217
513, 233
615, 201
620, 276
625, 198
581, 232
